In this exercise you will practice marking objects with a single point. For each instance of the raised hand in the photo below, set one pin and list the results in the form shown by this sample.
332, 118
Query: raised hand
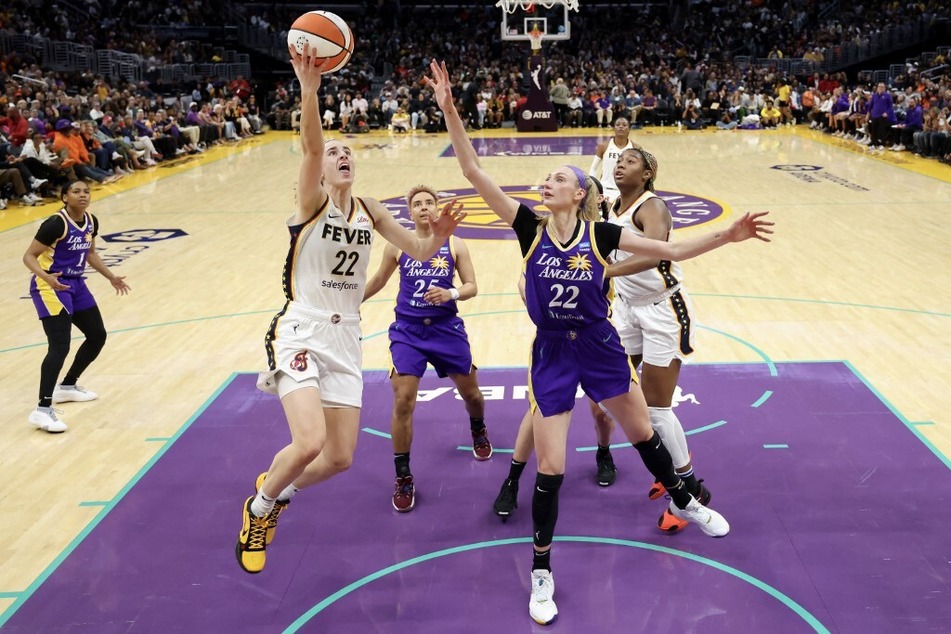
750, 226
440, 84
448, 219
308, 68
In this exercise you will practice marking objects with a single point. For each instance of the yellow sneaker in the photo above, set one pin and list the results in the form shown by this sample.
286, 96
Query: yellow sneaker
274, 514
251, 540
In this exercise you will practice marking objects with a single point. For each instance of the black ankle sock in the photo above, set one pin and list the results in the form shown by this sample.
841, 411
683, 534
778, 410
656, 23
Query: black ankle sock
476, 424
515, 470
69, 381
541, 561
691, 482
46, 401
603, 451
657, 460
402, 464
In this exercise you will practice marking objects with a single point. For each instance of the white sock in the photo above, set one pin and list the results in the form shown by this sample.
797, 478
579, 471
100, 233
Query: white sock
288, 493
262, 505
668, 427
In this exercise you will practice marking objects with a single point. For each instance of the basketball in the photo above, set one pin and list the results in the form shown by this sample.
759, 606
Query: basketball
328, 36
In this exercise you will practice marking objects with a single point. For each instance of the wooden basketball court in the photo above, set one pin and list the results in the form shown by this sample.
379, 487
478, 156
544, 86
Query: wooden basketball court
858, 272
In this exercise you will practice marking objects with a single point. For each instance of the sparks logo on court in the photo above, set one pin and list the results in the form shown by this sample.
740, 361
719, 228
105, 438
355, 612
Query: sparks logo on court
481, 223
144, 235
817, 174
136, 242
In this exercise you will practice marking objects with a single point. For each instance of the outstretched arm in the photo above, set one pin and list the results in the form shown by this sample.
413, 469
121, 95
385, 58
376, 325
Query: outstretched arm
503, 206
746, 227
407, 241
310, 192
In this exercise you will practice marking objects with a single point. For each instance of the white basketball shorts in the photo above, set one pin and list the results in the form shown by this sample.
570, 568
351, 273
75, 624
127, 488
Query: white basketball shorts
660, 330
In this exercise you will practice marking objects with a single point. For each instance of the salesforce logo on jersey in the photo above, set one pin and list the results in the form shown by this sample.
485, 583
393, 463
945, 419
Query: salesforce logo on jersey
481, 223
127, 243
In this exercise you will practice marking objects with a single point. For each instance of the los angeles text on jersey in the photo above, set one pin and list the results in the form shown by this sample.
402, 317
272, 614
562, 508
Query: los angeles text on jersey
554, 271
343, 234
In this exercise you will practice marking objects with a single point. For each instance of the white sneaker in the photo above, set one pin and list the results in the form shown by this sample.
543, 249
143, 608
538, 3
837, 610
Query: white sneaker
542, 606
63, 394
45, 419
36, 183
3, 203
710, 522
29, 200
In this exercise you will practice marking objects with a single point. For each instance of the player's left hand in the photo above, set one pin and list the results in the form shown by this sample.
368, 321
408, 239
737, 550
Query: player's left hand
119, 284
750, 226
448, 219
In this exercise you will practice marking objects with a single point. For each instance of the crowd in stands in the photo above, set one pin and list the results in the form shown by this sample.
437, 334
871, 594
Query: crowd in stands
57, 127
54, 128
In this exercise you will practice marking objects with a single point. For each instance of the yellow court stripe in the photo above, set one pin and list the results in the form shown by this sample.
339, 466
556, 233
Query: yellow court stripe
904, 160
15, 216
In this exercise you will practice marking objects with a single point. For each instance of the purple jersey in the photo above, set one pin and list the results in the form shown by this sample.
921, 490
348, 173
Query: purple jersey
415, 279
565, 286
67, 254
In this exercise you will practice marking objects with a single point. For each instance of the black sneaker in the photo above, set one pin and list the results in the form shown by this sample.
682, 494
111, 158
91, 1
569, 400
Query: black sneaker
702, 493
607, 472
507, 500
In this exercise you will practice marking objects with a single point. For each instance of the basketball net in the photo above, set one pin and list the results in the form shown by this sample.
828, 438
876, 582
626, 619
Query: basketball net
510, 6
535, 37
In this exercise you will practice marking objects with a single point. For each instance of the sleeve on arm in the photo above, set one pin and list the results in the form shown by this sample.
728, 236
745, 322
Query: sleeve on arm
51, 230
607, 237
526, 227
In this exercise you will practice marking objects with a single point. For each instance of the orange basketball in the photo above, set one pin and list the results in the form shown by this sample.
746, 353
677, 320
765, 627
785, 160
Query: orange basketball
328, 36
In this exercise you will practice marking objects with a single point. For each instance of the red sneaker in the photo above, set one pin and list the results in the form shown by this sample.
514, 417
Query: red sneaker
404, 494
481, 447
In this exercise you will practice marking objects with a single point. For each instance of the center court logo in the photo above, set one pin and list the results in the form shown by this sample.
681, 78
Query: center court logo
481, 223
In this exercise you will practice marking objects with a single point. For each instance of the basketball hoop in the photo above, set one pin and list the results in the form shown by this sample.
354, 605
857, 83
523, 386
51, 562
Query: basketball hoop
535, 37
510, 6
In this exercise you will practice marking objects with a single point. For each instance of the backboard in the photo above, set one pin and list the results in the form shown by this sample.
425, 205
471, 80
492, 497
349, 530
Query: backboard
550, 17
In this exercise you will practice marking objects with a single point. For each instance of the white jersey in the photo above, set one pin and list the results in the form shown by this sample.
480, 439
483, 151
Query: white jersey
608, 162
327, 262
647, 286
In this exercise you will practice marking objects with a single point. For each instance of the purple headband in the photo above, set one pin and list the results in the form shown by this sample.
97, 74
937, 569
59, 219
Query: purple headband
582, 177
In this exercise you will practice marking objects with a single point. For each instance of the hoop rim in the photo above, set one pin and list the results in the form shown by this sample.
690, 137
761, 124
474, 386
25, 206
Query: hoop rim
509, 6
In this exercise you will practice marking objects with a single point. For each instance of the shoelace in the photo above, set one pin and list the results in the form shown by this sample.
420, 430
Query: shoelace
274, 514
257, 533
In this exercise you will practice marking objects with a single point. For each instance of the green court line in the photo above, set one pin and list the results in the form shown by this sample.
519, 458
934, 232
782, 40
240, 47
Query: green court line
625, 445
9, 595
147, 326
763, 398
96, 503
381, 434
699, 430
797, 609
922, 422
894, 410
823, 302
778, 446
22, 597
769, 362
377, 334
157, 439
